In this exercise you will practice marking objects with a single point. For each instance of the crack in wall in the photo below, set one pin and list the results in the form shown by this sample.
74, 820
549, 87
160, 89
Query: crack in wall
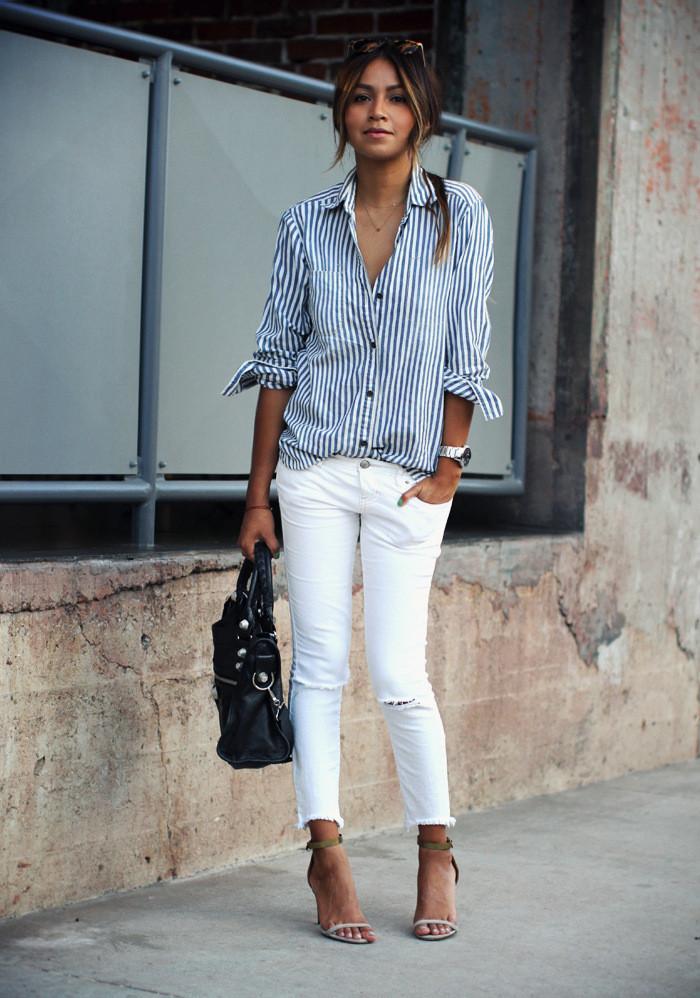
688, 652
80, 598
564, 614
149, 695
75, 612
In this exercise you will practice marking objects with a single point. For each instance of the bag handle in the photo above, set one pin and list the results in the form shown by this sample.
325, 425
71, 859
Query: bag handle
263, 578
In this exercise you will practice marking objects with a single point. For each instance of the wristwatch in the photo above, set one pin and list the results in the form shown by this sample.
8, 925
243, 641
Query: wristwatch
460, 454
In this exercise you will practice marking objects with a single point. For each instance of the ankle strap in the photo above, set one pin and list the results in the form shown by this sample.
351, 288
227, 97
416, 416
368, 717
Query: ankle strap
447, 844
322, 843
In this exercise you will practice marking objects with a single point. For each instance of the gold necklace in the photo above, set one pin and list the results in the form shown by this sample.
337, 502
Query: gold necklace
395, 204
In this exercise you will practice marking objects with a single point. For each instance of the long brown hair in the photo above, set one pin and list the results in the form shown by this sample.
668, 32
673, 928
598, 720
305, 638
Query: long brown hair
424, 95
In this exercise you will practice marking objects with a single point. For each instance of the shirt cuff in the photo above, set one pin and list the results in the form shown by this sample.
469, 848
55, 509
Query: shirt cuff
474, 391
259, 372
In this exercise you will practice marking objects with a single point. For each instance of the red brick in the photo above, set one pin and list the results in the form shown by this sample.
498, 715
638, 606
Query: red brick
193, 9
284, 27
300, 49
345, 24
368, 5
314, 5
257, 8
225, 30
405, 22
128, 12
255, 50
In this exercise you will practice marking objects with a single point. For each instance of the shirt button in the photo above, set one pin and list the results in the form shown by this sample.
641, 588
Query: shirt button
364, 464
363, 443
370, 393
372, 343
379, 294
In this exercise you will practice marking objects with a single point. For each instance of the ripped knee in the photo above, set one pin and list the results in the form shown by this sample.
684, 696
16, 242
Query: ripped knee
402, 703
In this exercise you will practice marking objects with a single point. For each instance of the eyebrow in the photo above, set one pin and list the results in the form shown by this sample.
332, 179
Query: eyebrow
367, 86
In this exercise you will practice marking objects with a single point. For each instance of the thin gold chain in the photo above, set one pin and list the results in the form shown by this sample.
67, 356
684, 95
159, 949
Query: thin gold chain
378, 228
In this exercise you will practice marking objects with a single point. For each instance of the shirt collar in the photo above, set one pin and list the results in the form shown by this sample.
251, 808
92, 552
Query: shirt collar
420, 190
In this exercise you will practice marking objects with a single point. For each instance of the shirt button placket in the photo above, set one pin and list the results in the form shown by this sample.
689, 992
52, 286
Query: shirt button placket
370, 391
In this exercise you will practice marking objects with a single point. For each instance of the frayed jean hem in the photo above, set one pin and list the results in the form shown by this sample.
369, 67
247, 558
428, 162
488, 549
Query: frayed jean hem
302, 823
410, 823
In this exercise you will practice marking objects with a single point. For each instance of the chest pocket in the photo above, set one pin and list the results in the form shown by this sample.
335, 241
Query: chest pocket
331, 306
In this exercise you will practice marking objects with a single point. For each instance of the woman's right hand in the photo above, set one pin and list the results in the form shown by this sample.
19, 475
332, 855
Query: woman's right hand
258, 524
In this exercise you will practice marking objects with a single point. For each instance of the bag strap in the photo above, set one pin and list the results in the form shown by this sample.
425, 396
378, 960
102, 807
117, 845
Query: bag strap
244, 577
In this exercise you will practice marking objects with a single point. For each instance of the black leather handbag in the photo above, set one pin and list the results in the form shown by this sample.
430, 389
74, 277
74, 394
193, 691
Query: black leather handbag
254, 721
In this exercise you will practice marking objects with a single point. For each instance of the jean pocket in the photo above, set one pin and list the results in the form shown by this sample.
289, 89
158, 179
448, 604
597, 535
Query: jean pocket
404, 482
439, 505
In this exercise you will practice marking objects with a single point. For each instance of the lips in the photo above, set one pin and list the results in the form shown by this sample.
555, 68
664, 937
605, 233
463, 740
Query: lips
376, 131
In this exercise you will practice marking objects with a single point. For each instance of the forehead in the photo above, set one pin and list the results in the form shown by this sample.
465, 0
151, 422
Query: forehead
379, 72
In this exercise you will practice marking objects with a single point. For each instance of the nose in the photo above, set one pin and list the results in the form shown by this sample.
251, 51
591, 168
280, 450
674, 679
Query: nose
377, 107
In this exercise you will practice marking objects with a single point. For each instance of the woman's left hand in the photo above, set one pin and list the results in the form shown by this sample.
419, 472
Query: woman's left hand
437, 488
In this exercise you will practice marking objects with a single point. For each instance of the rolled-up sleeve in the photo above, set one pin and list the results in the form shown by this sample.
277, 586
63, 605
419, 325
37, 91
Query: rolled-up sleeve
469, 327
285, 321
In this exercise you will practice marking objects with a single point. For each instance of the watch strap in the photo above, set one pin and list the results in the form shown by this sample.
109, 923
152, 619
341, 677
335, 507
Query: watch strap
461, 454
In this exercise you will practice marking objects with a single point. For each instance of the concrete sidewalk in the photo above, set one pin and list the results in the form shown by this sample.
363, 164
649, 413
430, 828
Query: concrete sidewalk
591, 892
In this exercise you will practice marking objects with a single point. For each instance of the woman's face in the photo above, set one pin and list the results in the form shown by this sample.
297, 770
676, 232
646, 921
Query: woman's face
379, 101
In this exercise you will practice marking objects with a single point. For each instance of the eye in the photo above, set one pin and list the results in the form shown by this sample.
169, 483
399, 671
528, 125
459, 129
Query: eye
401, 98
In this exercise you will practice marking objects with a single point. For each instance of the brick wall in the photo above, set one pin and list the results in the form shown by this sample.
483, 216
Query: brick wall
304, 36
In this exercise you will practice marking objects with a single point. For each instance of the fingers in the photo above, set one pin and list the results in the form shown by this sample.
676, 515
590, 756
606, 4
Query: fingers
246, 542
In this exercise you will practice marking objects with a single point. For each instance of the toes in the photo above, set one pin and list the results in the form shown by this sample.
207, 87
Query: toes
432, 929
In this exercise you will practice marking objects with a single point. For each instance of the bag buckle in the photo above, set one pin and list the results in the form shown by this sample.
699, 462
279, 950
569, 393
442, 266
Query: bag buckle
264, 677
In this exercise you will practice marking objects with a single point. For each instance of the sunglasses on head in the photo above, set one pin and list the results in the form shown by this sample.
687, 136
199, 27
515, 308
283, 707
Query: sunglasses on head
406, 46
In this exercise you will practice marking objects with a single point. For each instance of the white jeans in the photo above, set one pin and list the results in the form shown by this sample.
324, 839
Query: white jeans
321, 509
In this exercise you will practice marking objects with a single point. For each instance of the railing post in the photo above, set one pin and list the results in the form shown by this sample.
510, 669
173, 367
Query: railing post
144, 514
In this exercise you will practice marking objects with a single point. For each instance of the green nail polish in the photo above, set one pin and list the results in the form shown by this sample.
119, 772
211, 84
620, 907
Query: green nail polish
400, 502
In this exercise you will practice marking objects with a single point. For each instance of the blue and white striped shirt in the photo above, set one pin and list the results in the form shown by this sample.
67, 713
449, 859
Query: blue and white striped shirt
369, 365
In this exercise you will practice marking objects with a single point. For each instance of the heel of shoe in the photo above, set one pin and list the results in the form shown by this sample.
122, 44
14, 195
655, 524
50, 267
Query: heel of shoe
320, 844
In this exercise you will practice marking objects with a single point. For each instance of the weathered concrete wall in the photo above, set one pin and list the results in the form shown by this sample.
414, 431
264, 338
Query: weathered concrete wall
110, 778
642, 560
556, 660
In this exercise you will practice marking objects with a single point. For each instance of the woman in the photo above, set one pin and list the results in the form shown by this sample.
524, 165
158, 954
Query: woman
370, 357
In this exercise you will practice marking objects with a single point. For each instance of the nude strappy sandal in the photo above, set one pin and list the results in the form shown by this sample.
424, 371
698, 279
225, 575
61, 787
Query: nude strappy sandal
332, 929
447, 844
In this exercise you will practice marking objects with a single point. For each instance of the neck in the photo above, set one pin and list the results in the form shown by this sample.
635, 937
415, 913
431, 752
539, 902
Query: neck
382, 183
